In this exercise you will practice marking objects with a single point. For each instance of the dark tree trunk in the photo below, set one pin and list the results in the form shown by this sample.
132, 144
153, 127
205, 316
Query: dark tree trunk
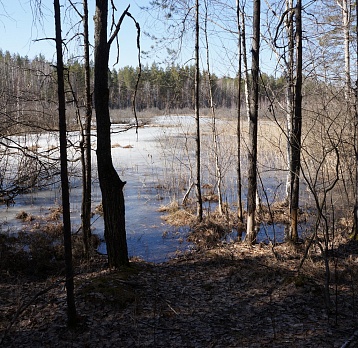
197, 117
110, 183
251, 232
296, 131
71, 307
87, 168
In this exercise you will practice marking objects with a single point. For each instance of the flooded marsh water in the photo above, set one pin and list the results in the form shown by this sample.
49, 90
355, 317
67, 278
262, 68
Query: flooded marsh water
157, 163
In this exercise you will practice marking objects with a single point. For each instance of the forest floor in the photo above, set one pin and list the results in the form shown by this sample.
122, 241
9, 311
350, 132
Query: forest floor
230, 295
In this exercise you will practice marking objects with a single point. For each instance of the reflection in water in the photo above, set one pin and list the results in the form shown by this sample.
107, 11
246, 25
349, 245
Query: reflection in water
273, 233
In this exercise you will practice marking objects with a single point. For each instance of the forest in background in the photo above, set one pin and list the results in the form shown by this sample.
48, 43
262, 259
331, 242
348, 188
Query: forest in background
29, 89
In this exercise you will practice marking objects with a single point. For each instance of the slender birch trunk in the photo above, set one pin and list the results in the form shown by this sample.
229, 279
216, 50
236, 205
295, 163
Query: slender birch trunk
346, 19
355, 224
296, 131
246, 69
289, 95
238, 130
251, 232
218, 173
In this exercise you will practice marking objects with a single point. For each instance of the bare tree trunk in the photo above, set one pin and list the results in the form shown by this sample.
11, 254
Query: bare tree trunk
290, 99
197, 117
346, 15
238, 130
296, 131
87, 167
71, 306
110, 183
246, 69
251, 232
218, 173
355, 223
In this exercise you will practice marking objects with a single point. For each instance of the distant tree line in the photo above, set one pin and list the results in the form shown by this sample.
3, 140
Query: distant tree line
28, 89
173, 88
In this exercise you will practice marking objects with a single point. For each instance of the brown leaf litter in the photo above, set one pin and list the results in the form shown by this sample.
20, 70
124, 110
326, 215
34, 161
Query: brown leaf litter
230, 295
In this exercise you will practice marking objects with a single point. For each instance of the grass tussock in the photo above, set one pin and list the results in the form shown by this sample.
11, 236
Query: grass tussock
99, 209
55, 214
172, 207
175, 216
24, 216
277, 213
116, 145
207, 233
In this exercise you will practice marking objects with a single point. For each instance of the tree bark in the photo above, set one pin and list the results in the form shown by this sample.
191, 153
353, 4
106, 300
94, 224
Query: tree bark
345, 6
110, 182
238, 130
216, 146
71, 307
290, 98
355, 214
87, 167
296, 131
197, 117
251, 232
246, 69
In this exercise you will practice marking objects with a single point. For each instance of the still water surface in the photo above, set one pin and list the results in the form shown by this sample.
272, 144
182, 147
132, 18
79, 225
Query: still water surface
142, 161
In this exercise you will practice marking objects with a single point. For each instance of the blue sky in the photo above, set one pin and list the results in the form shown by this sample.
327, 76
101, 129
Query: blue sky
20, 26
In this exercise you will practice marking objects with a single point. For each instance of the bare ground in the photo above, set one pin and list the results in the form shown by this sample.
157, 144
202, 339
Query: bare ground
228, 296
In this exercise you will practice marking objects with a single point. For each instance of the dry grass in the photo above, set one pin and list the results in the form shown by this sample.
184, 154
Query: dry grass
55, 213
116, 145
172, 207
277, 213
175, 216
24, 216
34, 148
207, 233
126, 116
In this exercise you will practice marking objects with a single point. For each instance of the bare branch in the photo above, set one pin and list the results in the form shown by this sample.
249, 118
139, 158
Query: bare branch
140, 69
118, 26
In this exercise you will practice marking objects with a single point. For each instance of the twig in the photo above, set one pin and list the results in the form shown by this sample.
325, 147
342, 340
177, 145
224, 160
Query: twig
352, 339
185, 198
